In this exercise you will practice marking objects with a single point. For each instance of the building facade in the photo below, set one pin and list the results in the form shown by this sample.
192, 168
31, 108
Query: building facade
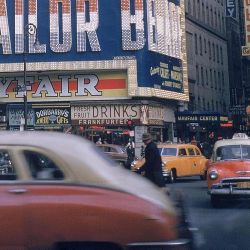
208, 73
108, 69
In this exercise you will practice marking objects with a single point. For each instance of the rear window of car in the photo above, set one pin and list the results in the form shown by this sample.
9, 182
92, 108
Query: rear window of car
191, 151
168, 151
233, 152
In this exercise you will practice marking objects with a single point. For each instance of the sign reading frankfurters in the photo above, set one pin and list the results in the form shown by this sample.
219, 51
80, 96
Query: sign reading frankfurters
113, 114
52, 116
145, 38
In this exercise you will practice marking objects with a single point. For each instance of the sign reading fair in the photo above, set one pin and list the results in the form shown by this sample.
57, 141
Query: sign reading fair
80, 30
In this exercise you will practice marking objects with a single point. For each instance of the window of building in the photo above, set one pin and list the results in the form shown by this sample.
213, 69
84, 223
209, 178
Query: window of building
189, 7
202, 76
215, 19
195, 44
217, 53
197, 74
211, 17
199, 103
207, 11
203, 12
213, 105
215, 80
213, 47
206, 77
211, 77
194, 8
203, 103
221, 56
222, 80
198, 9
209, 50
219, 81
205, 45
200, 40
219, 21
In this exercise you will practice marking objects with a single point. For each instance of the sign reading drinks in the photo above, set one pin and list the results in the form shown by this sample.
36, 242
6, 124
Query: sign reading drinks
104, 114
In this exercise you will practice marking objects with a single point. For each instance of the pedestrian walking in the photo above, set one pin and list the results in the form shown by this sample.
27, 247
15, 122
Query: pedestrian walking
153, 164
130, 148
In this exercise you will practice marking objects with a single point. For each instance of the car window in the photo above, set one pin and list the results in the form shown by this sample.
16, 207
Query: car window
197, 152
168, 151
233, 152
182, 152
113, 150
7, 169
41, 167
191, 151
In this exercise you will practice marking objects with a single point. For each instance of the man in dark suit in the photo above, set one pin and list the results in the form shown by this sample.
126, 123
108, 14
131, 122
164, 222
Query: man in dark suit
153, 163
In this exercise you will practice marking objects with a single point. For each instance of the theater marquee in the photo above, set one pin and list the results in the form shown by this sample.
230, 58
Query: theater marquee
145, 39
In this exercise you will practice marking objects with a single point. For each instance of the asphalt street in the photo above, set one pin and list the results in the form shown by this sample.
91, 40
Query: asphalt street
225, 228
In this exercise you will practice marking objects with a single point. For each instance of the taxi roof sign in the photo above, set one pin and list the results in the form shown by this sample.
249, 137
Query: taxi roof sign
240, 136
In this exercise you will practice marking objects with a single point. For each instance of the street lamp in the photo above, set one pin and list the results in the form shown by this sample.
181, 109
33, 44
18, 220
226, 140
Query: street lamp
29, 29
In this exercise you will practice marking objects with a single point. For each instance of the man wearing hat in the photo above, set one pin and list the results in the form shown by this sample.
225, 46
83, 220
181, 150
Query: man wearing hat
153, 163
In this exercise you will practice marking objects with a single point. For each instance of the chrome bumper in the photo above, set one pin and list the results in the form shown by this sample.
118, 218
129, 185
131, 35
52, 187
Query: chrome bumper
230, 192
180, 244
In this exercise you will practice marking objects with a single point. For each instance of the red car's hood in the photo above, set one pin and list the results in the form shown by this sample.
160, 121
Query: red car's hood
233, 168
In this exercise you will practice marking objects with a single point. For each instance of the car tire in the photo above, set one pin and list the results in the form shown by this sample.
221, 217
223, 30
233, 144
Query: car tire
171, 178
203, 176
216, 201
86, 245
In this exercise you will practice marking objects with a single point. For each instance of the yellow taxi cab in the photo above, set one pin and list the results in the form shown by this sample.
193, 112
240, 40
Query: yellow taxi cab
178, 160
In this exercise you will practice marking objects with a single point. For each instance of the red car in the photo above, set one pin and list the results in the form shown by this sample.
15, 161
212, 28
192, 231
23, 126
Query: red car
228, 174
58, 192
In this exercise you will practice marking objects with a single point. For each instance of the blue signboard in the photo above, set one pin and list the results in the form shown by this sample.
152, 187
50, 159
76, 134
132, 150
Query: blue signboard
231, 9
97, 31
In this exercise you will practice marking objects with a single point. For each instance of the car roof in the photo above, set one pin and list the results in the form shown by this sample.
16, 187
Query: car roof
226, 142
87, 164
174, 145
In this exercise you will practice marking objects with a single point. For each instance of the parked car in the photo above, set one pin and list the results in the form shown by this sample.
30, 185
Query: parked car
178, 160
115, 152
229, 170
63, 194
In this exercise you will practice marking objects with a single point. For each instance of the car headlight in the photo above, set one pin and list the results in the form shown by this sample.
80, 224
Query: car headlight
163, 163
133, 164
213, 175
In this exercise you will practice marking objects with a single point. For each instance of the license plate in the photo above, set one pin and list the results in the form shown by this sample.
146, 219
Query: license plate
243, 185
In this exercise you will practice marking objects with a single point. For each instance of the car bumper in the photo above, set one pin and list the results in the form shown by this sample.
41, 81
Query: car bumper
180, 244
231, 188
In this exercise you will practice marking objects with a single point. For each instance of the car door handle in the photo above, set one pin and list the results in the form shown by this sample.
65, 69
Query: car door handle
18, 190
